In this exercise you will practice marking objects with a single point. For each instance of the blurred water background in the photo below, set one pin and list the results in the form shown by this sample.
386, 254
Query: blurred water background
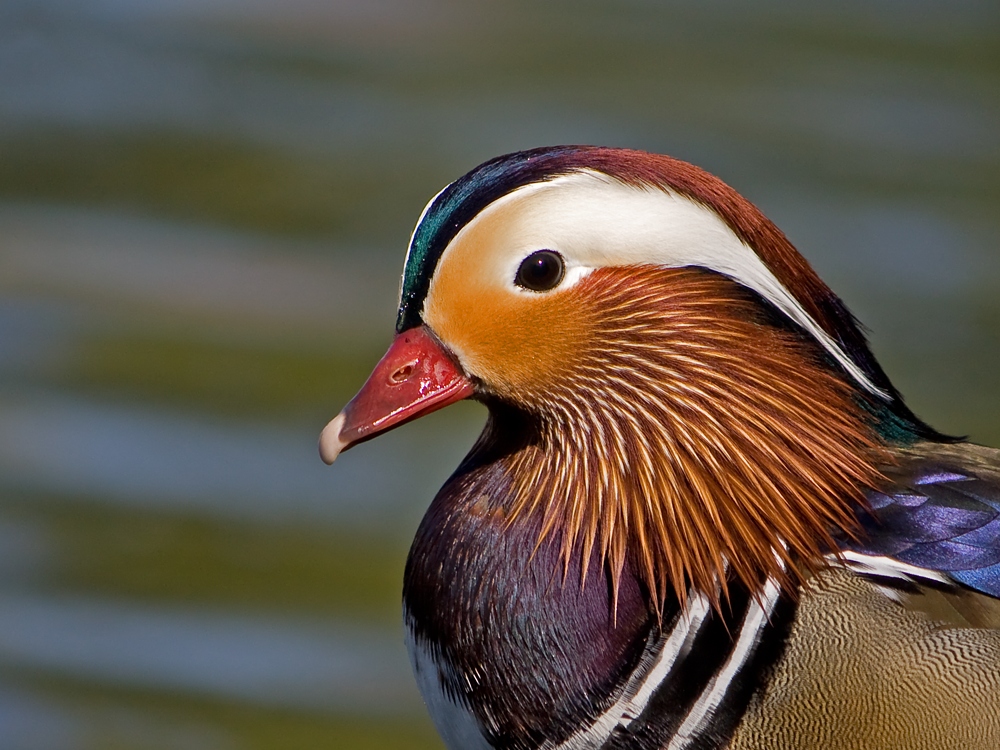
204, 206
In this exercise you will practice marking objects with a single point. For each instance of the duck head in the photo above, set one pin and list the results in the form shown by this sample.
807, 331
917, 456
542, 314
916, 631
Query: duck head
668, 380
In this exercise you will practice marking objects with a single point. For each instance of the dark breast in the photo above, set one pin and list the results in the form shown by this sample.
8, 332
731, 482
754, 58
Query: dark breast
534, 651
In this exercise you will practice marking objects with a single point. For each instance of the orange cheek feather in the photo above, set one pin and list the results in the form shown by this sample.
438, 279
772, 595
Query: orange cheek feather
514, 342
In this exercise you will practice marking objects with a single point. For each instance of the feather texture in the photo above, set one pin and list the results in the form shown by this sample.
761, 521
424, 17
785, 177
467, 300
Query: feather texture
941, 512
689, 432
700, 515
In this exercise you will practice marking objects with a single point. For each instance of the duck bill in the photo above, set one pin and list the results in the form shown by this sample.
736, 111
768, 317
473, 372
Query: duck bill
415, 377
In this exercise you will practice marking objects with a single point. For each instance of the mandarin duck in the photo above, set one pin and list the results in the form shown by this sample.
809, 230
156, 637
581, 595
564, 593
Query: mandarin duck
699, 515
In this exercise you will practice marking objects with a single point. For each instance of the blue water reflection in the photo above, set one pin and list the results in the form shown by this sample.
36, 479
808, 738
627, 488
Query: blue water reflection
252, 657
30, 722
203, 212
152, 458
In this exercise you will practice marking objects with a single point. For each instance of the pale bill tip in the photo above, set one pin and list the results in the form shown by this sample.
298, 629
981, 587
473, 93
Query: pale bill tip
330, 444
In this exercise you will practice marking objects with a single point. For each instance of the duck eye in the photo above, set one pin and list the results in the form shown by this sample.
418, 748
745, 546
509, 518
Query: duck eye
540, 271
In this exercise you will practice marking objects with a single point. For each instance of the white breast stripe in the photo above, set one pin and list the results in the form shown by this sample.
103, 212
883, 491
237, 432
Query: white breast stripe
642, 684
754, 623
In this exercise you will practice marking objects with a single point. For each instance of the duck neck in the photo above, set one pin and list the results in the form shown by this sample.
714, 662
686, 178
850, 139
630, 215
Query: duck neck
513, 649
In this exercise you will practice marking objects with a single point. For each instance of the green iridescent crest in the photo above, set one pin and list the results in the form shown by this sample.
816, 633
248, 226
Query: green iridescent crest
458, 204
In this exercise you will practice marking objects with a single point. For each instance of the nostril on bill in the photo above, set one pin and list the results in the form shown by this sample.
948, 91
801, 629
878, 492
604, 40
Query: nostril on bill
402, 374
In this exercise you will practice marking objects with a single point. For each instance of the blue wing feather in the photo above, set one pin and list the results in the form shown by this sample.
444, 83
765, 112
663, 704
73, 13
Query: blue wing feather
943, 514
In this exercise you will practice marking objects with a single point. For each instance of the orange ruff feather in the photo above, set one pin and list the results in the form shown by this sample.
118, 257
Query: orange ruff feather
686, 431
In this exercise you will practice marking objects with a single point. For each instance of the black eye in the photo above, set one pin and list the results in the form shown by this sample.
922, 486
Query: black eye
540, 271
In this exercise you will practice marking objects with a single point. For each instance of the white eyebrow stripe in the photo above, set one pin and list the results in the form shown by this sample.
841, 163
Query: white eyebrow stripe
596, 221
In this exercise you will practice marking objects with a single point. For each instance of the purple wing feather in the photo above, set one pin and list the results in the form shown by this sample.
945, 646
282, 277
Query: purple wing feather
943, 514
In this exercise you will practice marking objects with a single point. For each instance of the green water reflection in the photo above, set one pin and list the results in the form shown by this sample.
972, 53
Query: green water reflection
203, 212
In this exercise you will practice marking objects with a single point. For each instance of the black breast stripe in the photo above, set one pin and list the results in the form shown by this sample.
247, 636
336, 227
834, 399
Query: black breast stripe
694, 675
682, 685
769, 647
